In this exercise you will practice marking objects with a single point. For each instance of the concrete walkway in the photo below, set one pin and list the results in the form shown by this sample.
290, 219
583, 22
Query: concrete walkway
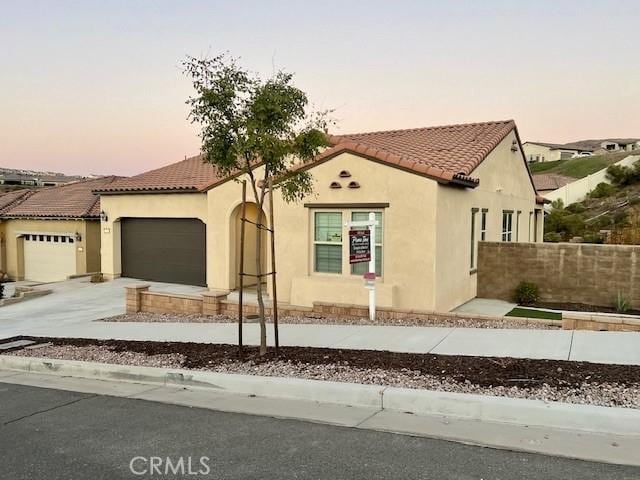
486, 306
73, 302
601, 347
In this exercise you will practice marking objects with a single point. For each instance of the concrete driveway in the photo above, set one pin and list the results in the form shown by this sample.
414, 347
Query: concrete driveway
73, 302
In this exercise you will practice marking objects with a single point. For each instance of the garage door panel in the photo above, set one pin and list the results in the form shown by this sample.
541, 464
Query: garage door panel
164, 250
48, 259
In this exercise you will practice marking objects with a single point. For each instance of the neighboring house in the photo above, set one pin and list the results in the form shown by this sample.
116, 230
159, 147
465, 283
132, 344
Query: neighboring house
576, 190
550, 152
435, 191
548, 182
52, 233
14, 178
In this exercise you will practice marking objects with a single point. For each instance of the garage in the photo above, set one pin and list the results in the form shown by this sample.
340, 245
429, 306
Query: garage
48, 257
169, 250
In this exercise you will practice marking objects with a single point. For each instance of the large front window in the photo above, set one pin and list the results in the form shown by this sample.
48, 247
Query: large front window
328, 242
330, 253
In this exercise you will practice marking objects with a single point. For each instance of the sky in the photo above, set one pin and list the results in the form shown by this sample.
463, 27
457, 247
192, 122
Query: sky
96, 87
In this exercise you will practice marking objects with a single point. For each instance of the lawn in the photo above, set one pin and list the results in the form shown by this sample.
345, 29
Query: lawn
531, 313
578, 167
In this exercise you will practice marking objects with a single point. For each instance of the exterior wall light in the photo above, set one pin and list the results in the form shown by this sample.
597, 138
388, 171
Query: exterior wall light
514, 146
103, 216
78, 237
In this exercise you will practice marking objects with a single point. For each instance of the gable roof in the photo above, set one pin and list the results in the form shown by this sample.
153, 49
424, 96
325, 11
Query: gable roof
550, 181
448, 154
72, 200
189, 175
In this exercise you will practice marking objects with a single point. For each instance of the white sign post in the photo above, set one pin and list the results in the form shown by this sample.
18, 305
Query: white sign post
370, 276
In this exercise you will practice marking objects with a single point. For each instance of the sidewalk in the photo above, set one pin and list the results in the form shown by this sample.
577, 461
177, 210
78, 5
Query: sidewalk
599, 347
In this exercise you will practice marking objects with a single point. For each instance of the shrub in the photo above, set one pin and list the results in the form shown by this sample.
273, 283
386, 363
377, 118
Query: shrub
602, 190
575, 208
526, 293
622, 303
592, 237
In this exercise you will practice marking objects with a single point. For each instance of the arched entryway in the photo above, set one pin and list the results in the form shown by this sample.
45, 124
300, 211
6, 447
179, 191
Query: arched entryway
249, 246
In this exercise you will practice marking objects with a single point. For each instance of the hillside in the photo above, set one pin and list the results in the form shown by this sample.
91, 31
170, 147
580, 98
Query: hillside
610, 215
579, 167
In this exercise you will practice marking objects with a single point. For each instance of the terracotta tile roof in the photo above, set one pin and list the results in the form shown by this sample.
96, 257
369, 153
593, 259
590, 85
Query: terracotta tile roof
447, 153
190, 175
9, 199
550, 181
72, 200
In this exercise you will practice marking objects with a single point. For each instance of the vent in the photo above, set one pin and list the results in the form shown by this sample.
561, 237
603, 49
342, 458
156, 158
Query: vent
354, 185
335, 185
345, 174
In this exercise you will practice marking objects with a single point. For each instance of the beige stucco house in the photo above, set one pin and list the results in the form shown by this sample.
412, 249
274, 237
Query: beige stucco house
551, 152
435, 191
50, 234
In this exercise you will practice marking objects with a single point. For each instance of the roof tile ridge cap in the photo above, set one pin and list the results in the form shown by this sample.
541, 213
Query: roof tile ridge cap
434, 127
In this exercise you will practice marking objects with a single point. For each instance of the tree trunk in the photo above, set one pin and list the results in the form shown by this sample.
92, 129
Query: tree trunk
259, 272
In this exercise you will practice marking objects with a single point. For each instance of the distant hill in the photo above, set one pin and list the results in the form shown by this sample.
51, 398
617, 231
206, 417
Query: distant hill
13, 179
579, 167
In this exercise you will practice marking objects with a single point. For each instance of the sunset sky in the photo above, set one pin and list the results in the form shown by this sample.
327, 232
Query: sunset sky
96, 86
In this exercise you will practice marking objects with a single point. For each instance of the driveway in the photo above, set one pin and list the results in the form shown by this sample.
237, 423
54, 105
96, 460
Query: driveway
73, 302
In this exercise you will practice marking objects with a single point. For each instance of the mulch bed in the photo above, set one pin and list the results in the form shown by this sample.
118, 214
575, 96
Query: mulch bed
582, 307
483, 371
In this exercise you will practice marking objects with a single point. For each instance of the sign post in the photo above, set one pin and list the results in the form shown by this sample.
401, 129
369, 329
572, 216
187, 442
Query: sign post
362, 249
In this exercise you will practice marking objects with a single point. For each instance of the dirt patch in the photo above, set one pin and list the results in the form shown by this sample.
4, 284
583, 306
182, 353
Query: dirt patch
448, 322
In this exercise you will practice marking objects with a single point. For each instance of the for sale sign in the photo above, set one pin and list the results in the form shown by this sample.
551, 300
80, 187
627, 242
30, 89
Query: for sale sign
359, 246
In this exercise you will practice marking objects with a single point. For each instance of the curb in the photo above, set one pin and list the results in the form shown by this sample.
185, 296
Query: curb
350, 394
522, 412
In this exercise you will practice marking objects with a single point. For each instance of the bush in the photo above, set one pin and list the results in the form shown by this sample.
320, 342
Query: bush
575, 208
526, 293
602, 190
622, 303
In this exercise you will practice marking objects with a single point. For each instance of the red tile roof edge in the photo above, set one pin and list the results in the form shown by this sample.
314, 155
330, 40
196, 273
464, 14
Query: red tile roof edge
24, 194
88, 213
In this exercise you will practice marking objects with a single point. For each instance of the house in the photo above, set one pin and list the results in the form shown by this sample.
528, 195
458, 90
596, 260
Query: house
51, 233
435, 191
551, 152
549, 182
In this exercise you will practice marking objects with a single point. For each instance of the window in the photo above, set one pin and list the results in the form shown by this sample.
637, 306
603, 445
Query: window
530, 215
473, 237
328, 242
518, 225
362, 268
483, 225
507, 226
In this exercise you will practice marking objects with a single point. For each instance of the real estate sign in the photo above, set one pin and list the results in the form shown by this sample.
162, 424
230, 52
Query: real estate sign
359, 246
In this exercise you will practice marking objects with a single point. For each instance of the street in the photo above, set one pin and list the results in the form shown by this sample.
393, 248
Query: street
53, 434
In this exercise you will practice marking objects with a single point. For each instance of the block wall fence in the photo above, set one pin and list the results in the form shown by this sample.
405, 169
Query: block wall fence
564, 272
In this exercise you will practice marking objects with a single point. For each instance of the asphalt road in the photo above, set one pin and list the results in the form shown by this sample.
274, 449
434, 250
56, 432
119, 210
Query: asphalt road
53, 434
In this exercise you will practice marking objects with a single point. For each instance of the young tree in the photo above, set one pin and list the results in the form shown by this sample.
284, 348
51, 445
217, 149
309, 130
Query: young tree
248, 123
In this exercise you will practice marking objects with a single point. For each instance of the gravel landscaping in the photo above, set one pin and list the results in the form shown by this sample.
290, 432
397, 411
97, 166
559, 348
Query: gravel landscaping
549, 380
514, 323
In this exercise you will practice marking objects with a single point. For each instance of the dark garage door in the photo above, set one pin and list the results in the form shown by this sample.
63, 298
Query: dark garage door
164, 250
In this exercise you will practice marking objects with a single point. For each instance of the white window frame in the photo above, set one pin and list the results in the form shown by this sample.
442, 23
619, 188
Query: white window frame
484, 224
507, 227
346, 217
321, 242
